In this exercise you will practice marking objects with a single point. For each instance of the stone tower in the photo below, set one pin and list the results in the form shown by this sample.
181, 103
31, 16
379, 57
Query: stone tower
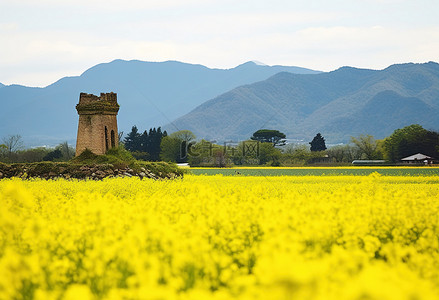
97, 128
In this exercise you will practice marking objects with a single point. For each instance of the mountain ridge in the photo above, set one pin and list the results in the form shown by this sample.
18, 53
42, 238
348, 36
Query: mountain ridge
151, 94
331, 103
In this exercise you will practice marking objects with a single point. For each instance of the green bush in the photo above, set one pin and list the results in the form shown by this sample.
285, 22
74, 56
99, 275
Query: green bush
119, 157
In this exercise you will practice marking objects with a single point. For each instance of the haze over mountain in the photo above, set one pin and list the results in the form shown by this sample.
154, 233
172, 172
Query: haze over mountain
339, 104
151, 94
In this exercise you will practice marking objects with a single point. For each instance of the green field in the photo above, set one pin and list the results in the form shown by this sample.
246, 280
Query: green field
316, 171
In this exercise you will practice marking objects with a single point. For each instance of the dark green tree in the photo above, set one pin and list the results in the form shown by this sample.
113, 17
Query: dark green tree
318, 143
411, 140
275, 137
133, 140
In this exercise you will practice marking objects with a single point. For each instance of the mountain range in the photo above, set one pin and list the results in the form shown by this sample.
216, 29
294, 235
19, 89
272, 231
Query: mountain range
297, 101
151, 94
338, 104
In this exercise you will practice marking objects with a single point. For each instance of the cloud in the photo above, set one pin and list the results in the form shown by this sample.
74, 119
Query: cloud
111, 5
42, 39
47, 54
369, 47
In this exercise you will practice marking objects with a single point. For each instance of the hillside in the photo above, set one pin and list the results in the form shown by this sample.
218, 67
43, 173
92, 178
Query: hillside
150, 94
339, 104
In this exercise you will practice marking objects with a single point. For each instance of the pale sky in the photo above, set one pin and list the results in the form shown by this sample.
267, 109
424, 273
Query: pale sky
42, 41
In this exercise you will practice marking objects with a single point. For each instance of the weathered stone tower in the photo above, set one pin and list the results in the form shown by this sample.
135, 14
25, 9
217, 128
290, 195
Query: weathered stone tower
97, 128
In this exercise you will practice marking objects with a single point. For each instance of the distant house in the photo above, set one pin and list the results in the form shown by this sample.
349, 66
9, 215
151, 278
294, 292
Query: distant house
418, 159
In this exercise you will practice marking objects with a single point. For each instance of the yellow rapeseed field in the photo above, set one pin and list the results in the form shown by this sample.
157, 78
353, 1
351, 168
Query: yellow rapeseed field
218, 237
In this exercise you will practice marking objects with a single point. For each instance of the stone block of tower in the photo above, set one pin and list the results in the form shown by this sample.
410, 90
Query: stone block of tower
97, 127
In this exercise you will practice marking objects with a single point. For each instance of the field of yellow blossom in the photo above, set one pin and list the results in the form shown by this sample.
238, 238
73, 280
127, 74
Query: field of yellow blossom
221, 237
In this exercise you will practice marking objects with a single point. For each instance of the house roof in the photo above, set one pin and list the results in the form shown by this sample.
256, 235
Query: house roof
418, 156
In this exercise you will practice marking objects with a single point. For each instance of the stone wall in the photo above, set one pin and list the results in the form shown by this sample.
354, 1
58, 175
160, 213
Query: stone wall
51, 170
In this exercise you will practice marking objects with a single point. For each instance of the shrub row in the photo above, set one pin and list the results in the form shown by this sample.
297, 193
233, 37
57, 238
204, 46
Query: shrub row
52, 170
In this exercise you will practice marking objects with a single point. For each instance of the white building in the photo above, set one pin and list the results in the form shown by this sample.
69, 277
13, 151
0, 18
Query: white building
418, 159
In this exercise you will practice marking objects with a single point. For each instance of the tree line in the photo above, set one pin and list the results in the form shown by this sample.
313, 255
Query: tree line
272, 148
12, 150
146, 145
264, 147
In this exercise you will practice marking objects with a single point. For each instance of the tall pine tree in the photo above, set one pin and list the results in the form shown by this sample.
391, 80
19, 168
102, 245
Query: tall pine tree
318, 143
132, 140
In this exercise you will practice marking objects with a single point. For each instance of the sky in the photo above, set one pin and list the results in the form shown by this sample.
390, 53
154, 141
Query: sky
42, 41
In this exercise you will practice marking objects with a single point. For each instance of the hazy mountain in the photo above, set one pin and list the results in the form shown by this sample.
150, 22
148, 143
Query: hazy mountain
150, 94
1, 85
339, 104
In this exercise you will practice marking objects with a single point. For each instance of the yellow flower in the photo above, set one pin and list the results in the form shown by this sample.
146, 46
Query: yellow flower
221, 237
